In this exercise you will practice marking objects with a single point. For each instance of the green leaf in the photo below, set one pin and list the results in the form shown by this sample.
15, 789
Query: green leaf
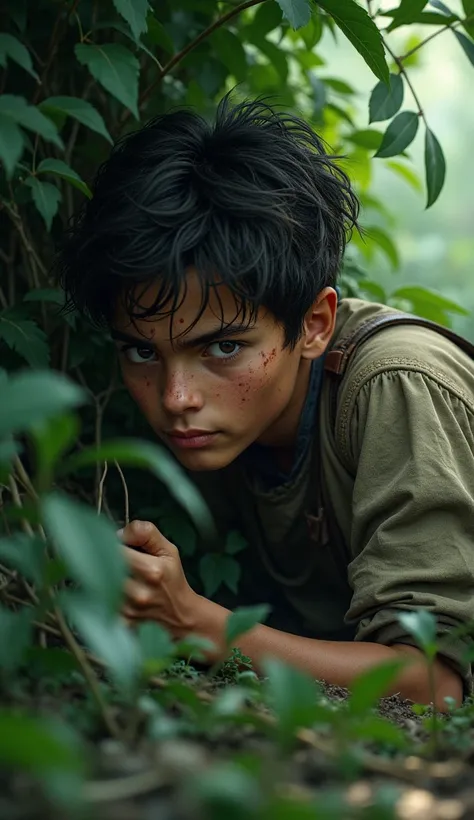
297, 12
233, 571
419, 295
406, 173
214, 570
179, 531
340, 86
276, 56
231, 52
371, 685
61, 169
399, 134
30, 397
367, 138
17, 110
115, 68
267, 18
235, 542
293, 695
26, 338
362, 32
46, 198
156, 647
435, 167
16, 634
36, 744
25, 554
12, 143
407, 12
11, 48
466, 44
52, 438
421, 624
88, 545
242, 620
107, 637
379, 730
386, 100
145, 454
383, 240
135, 13
158, 35
437, 4
55, 295
468, 23
79, 110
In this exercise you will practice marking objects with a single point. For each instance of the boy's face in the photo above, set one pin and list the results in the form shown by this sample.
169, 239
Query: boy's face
209, 392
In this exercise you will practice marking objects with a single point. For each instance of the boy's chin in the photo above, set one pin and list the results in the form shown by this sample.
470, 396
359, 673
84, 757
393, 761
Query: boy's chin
206, 460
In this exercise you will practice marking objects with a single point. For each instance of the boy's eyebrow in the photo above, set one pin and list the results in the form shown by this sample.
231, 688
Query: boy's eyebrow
184, 342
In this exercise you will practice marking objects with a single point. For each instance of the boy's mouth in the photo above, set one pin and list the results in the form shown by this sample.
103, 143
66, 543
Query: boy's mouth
190, 439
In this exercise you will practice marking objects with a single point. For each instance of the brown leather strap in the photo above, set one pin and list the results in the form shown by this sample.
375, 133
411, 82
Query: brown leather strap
338, 358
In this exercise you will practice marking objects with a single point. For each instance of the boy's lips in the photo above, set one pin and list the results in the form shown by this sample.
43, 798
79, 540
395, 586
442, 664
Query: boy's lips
190, 439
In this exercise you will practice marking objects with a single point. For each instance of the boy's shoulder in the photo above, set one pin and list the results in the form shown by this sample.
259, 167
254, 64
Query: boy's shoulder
402, 347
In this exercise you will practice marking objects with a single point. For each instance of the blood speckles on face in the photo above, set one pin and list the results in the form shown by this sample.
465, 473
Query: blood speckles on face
181, 321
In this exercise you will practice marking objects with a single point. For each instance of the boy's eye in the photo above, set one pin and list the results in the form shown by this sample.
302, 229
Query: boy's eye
139, 355
223, 350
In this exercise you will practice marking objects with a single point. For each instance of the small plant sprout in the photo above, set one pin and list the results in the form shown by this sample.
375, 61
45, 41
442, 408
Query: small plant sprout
421, 624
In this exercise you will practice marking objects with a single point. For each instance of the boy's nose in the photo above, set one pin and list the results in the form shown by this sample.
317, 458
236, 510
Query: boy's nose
181, 394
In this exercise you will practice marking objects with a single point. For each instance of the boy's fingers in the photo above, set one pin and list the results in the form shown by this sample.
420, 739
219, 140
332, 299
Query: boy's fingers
142, 534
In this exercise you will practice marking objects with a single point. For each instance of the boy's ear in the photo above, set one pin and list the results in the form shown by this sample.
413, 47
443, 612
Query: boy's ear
319, 324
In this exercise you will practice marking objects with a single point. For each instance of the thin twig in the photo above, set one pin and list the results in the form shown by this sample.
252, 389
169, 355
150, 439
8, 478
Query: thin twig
101, 488
125, 492
452, 26
404, 72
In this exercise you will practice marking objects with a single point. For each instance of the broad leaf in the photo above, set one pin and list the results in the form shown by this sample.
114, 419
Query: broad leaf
385, 243
386, 100
468, 23
235, 542
61, 169
156, 646
267, 18
362, 32
25, 337
16, 634
135, 13
294, 697
158, 35
30, 397
231, 52
88, 545
145, 454
407, 12
399, 134
243, 619
370, 686
466, 44
23, 553
408, 174
442, 7
46, 198
435, 167
78, 109
17, 110
368, 138
114, 67
419, 295
52, 438
107, 637
421, 624
12, 143
216, 569
36, 744
55, 295
297, 12
11, 48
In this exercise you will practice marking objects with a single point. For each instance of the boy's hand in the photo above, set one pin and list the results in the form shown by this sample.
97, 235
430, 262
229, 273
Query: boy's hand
158, 589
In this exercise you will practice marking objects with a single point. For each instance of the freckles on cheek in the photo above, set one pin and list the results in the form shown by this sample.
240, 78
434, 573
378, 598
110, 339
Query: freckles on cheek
248, 384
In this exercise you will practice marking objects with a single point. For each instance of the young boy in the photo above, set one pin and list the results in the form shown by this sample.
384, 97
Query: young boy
212, 252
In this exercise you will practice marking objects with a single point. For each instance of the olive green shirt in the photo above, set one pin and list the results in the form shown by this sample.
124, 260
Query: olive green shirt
394, 472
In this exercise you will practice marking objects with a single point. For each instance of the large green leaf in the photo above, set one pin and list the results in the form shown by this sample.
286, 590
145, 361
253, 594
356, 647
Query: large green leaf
407, 12
63, 170
23, 553
17, 110
24, 336
362, 32
11, 48
421, 624
468, 7
408, 174
419, 296
216, 569
242, 620
108, 638
231, 52
36, 744
297, 12
368, 138
114, 67
399, 134
385, 243
30, 397
16, 634
46, 198
12, 143
435, 167
293, 695
89, 547
267, 18
466, 44
372, 684
145, 454
78, 109
135, 13
386, 100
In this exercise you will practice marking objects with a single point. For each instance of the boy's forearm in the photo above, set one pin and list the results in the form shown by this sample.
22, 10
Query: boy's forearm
336, 662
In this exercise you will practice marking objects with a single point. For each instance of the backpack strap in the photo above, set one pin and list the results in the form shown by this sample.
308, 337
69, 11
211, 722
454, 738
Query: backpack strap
338, 358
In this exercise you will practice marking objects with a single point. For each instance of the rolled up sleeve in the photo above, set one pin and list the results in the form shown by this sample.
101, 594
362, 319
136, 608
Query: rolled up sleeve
412, 538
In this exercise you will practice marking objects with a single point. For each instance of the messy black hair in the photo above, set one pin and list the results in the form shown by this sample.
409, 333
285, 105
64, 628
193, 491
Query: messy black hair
252, 201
